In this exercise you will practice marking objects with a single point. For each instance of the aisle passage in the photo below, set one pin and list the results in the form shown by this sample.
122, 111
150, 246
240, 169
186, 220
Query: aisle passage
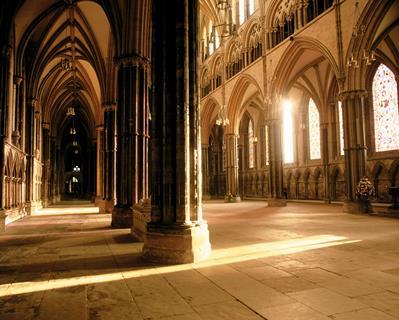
308, 261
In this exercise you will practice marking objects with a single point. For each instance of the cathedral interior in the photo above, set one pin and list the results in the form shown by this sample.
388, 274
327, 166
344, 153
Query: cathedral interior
199, 159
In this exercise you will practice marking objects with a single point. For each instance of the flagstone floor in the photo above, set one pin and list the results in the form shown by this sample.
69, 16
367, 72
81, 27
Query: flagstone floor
303, 262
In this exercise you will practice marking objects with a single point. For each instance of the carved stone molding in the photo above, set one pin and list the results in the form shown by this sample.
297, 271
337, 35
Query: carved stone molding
352, 94
18, 80
109, 107
132, 60
46, 125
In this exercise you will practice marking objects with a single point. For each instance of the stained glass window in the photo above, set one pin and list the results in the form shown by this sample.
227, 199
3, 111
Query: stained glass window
288, 137
385, 106
341, 129
251, 6
241, 11
251, 147
314, 130
267, 145
211, 44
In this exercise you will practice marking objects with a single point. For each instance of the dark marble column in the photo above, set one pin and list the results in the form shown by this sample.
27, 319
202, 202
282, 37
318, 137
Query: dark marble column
355, 143
205, 172
53, 171
177, 233
4, 69
132, 138
232, 168
99, 164
276, 198
16, 135
30, 151
325, 160
46, 164
106, 205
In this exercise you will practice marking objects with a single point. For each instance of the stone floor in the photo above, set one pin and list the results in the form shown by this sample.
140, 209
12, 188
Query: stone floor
303, 262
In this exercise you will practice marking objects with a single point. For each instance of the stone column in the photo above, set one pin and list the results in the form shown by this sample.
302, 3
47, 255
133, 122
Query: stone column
108, 171
325, 161
58, 174
355, 143
232, 167
132, 138
99, 162
30, 151
4, 68
46, 164
177, 233
16, 134
205, 172
53, 171
276, 198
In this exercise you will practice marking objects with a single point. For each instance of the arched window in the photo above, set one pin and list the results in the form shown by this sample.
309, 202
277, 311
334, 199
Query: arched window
341, 129
251, 6
385, 109
267, 156
288, 138
241, 11
314, 130
251, 147
211, 43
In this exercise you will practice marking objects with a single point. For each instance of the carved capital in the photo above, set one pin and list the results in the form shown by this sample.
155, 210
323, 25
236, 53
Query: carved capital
18, 80
46, 125
132, 60
353, 94
110, 106
32, 102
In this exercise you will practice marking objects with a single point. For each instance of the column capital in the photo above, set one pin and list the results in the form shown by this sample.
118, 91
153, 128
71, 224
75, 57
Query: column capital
46, 125
32, 102
352, 94
6, 50
110, 106
18, 80
132, 60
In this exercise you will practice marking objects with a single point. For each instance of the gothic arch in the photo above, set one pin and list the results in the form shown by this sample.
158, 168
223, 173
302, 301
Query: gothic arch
235, 103
290, 60
209, 113
373, 17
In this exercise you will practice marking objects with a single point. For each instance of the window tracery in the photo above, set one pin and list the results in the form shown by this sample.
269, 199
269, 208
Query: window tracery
251, 146
385, 109
314, 130
341, 129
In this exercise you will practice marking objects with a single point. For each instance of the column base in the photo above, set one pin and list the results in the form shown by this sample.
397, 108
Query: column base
35, 206
105, 206
97, 201
357, 207
122, 217
2, 221
232, 198
141, 216
276, 202
175, 244
45, 203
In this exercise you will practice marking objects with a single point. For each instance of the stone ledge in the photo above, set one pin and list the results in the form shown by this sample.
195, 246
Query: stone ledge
175, 244
2, 221
141, 216
122, 217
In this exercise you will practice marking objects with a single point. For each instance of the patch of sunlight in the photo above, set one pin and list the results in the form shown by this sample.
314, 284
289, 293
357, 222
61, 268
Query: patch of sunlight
217, 258
65, 210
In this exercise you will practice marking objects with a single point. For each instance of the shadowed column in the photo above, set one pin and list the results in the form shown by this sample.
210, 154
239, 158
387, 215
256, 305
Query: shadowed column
177, 233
